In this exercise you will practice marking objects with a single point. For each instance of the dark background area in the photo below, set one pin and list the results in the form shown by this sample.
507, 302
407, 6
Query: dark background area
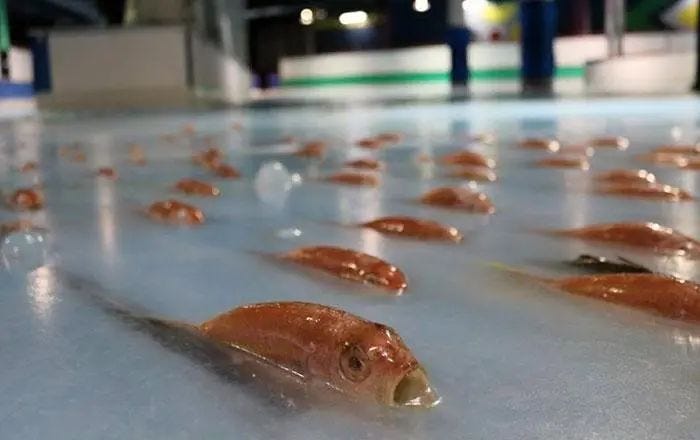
276, 32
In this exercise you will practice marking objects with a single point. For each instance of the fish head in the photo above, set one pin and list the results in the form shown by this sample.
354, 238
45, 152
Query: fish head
375, 364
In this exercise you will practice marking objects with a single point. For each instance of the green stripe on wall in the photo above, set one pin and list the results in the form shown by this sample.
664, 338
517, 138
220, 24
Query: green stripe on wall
506, 74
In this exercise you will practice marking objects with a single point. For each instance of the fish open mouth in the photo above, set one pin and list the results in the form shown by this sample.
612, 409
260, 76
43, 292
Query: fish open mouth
414, 390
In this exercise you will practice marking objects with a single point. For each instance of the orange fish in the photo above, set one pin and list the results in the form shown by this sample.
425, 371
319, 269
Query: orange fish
350, 265
136, 155
209, 158
459, 198
362, 359
678, 149
626, 176
648, 190
660, 158
197, 187
618, 142
650, 236
580, 162
313, 149
414, 228
226, 171
29, 167
389, 137
477, 174
108, 173
349, 178
365, 164
468, 158
26, 199
667, 296
551, 145
370, 143
176, 213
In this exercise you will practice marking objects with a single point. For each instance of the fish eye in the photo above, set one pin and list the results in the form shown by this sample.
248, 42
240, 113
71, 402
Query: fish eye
354, 364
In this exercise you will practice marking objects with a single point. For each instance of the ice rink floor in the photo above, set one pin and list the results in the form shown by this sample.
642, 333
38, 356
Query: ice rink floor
510, 360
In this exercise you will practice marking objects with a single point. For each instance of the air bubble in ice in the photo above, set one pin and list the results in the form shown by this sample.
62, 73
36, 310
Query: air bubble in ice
288, 233
272, 183
24, 250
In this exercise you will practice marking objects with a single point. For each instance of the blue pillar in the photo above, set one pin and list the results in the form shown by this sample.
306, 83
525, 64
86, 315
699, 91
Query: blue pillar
42, 63
538, 20
457, 40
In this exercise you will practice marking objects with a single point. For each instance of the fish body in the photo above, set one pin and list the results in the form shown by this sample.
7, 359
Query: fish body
360, 358
356, 179
475, 173
175, 212
551, 145
618, 176
197, 187
667, 296
365, 164
646, 190
576, 162
468, 158
350, 265
403, 226
459, 198
651, 236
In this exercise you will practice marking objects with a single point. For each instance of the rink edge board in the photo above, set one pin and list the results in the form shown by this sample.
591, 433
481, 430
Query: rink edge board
499, 74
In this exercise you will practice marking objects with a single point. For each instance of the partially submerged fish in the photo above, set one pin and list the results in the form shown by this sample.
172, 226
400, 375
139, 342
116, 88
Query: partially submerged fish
475, 173
650, 236
312, 149
108, 173
365, 164
411, 227
176, 213
25, 199
226, 171
667, 296
350, 265
197, 187
291, 349
362, 359
546, 144
371, 143
660, 158
136, 155
459, 198
389, 137
465, 157
29, 167
689, 149
209, 158
625, 176
648, 190
618, 142
577, 162
606, 265
353, 178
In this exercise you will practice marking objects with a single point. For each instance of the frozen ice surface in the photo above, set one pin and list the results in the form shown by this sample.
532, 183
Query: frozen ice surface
510, 360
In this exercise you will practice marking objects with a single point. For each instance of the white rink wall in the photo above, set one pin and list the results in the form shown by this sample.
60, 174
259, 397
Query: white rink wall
140, 66
495, 67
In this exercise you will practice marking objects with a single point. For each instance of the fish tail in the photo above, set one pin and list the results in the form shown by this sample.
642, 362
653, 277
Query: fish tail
518, 272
